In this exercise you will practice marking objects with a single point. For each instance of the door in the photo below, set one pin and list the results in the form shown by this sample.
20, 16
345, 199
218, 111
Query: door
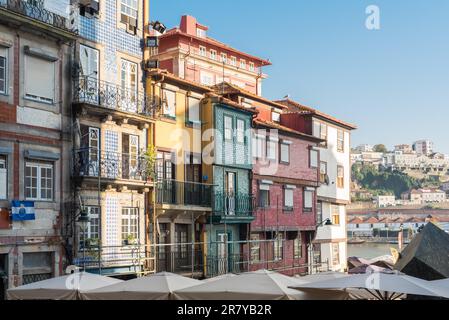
224, 252
165, 175
230, 188
130, 156
193, 191
129, 86
163, 252
89, 75
111, 157
94, 151
182, 260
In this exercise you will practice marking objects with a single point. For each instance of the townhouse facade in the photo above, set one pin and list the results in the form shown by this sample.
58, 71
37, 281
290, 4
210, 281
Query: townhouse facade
335, 170
35, 55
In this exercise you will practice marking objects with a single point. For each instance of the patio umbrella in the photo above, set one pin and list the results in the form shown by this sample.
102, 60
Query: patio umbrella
60, 288
381, 286
223, 276
322, 276
159, 286
257, 285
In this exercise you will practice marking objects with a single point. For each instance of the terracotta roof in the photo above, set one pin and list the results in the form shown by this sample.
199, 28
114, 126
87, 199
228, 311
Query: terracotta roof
233, 89
415, 219
275, 125
211, 41
219, 99
371, 220
356, 220
168, 75
305, 110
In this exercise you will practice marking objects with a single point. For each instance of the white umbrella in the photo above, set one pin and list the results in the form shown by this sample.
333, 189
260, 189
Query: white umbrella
223, 276
60, 288
158, 286
258, 285
322, 276
382, 286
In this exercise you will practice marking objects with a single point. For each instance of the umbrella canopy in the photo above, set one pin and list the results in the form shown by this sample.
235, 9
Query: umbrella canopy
60, 288
159, 286
382, 286
427, 255
322, 276
223, 276
257, 285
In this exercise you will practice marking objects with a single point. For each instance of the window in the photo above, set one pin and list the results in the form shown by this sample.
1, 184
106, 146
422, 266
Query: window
320, 131
242, 64
213, 54
275, 116
340, 141
3, 70
340, 177
335, 254
130, 224
313, 154
38, 181
193, 115
240, 131
227, 128
169, 104
93, 227
319, 212
202, 51
3, 177
335, 215
308, 200
165, 166
297, 247
258, 143
233, 61
278, 249
129, 8
264, 196
255, 248
285, 152
39, 79
271, 149
323, 172
201, 33
207, 78
223, 57
251, 66
129, 85
288, 197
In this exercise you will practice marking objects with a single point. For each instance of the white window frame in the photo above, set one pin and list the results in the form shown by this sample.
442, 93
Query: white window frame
240, 131
284, 152
169, 110
39, 189
288, 198
201, 33
340, 140
271, 149
28, 94
233, 61
213, 54
308, 202
228, 130
342, 177
132, 215
193, 111
275, 116
258, 143
130, 6
314, 163
202, 51
251, 66
4, 56
223, 57
335, 212
127, 71
4, 176
242, 64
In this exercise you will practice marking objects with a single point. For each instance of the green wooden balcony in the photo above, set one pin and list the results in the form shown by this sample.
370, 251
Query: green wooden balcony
232, 208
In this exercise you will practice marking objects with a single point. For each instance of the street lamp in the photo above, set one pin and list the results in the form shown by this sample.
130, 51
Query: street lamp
83, 223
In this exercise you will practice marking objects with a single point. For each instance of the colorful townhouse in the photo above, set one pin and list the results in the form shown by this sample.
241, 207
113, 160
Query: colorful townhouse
227, 164
284, 182
183, 196
330, 242
35, 54
189, 53
112, 121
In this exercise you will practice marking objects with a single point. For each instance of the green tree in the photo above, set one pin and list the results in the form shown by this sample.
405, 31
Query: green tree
380, 148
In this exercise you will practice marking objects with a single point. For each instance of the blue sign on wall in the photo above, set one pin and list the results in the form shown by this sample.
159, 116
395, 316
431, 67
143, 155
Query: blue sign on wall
22, 210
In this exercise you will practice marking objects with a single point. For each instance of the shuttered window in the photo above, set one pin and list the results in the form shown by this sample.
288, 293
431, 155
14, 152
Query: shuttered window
3, 70
313, 158
3, 177
285, 152
194, 110
227, 128
240, 131
288, 198
39, 79
169, 106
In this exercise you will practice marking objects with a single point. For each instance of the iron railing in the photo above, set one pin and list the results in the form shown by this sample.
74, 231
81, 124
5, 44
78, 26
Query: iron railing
239, 204
184, 193
34, 9
182, 260
90, 162
90, 90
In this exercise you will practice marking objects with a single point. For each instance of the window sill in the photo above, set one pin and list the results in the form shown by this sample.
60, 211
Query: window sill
288, 209
168, 119
193, 123
39, 101
307, 210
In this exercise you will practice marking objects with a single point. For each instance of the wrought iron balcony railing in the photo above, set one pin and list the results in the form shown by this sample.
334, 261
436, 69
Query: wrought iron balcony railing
239, 204
91, 90
184, 193
34, 9
90, 162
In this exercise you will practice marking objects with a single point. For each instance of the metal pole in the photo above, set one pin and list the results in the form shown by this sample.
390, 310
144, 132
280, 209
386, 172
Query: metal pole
193, 244
99, 216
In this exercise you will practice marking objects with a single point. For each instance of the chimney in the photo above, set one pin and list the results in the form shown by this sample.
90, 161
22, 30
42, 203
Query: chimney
188, 25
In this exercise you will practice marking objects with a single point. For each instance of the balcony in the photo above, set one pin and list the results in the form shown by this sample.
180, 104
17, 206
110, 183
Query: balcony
106, 98
229, 208
120, 168
22, 10
184, 193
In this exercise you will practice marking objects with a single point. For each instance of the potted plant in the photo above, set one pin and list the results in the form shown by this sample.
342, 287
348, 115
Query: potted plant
91, 242
130, 239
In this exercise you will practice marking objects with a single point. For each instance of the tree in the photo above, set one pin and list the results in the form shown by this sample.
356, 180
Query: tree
380, 148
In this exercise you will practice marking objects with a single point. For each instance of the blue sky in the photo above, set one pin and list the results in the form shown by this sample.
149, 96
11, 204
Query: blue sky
393, 82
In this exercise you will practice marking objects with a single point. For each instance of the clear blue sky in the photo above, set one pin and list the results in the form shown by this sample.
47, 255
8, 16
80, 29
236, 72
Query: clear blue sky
393, 82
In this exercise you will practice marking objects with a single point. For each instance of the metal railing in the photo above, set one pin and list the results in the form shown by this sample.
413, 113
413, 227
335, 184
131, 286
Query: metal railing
179, 259
90, 162
184, 193
91, 90
233, 204
35, 10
